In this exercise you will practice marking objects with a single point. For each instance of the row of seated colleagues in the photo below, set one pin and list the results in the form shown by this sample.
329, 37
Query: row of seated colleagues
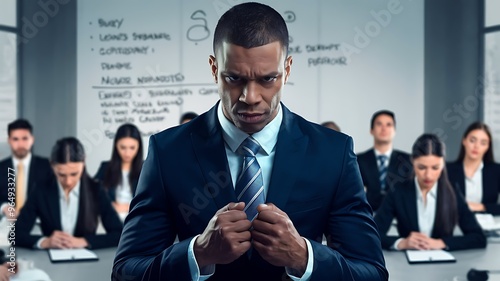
425, 195
68, 202
418, 195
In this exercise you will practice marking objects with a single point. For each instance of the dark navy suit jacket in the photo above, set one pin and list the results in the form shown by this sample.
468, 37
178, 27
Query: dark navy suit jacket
399, 170
491, 183
401, 203
186, 179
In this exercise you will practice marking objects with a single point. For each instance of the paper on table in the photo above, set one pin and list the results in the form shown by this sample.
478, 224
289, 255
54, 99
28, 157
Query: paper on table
59, 255
416, 256
487, 222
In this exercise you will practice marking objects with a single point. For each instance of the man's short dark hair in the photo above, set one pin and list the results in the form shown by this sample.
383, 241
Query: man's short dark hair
19, 124
187, 116
382, 112
250, 25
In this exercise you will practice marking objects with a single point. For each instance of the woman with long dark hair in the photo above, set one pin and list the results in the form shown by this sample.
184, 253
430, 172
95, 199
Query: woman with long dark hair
120, 175
475, 174
427, 208
70, 208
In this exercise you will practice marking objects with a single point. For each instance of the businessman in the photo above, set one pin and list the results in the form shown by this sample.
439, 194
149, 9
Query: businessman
30, 170
207, 181
382, 166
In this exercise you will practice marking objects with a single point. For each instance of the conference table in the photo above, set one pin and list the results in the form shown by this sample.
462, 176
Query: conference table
396, 262
399, 268
74, 271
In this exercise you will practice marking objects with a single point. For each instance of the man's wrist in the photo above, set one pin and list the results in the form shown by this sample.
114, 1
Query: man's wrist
198, 251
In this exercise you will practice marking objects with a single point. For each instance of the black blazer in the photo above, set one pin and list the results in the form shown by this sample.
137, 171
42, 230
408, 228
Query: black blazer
491, 183
40, 174
399, 170
44, 203
111, 191
401, 203
186, 179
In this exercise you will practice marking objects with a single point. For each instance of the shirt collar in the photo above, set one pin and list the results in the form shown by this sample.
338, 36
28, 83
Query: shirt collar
432, 192
75, 191
267, 137
26, 160
388, 153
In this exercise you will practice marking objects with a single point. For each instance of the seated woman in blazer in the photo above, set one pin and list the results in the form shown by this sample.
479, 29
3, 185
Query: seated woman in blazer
69, 209
120, 175
474, 173
426, 208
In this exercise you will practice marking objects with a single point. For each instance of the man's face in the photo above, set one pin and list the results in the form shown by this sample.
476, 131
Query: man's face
383, 129
20, 141
250, 83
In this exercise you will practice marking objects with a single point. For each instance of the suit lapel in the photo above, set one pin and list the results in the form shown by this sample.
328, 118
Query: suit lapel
208, 145
31, 175
53, 206
411, 206
373, 170
290, 151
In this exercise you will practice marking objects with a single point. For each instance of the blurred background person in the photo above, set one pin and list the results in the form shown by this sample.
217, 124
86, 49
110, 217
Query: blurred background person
382, 166
427, 208
186, 117
30, 170
475, 173
332, 125
120, 175
70, 208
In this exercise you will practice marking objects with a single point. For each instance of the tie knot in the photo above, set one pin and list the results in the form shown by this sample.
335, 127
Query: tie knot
20, 167
250, 147
382, 159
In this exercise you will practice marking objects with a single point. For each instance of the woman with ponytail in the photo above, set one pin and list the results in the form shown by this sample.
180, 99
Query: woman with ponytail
427, 208
70, 208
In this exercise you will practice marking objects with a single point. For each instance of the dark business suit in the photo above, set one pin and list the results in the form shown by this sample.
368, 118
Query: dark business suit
401, 203
111, 191
399, 170
40, 173
491, 183
186, 179
44, 203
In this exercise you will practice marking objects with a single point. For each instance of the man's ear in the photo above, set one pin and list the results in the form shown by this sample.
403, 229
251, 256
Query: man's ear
288, 67
213, 67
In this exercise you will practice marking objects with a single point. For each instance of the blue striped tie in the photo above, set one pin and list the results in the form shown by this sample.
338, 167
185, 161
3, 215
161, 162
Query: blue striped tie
250, 185
382, 171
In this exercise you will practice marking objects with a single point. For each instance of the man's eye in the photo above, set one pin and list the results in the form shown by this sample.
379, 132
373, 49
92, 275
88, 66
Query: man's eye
269, 79
232, 78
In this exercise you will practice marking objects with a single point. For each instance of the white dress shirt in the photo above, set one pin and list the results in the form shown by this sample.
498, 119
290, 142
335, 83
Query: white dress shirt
123, 191
426, 212
474, 186
69, 208
388, 154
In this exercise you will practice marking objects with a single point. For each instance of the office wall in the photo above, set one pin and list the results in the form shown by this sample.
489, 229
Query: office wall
452, 69
48, 98
48, 70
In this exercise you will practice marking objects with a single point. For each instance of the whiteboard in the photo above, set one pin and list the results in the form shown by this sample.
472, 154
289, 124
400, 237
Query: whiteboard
146, 62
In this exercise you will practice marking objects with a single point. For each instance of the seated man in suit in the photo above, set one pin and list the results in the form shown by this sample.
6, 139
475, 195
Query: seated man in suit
206, 182
382, 166
30, 170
